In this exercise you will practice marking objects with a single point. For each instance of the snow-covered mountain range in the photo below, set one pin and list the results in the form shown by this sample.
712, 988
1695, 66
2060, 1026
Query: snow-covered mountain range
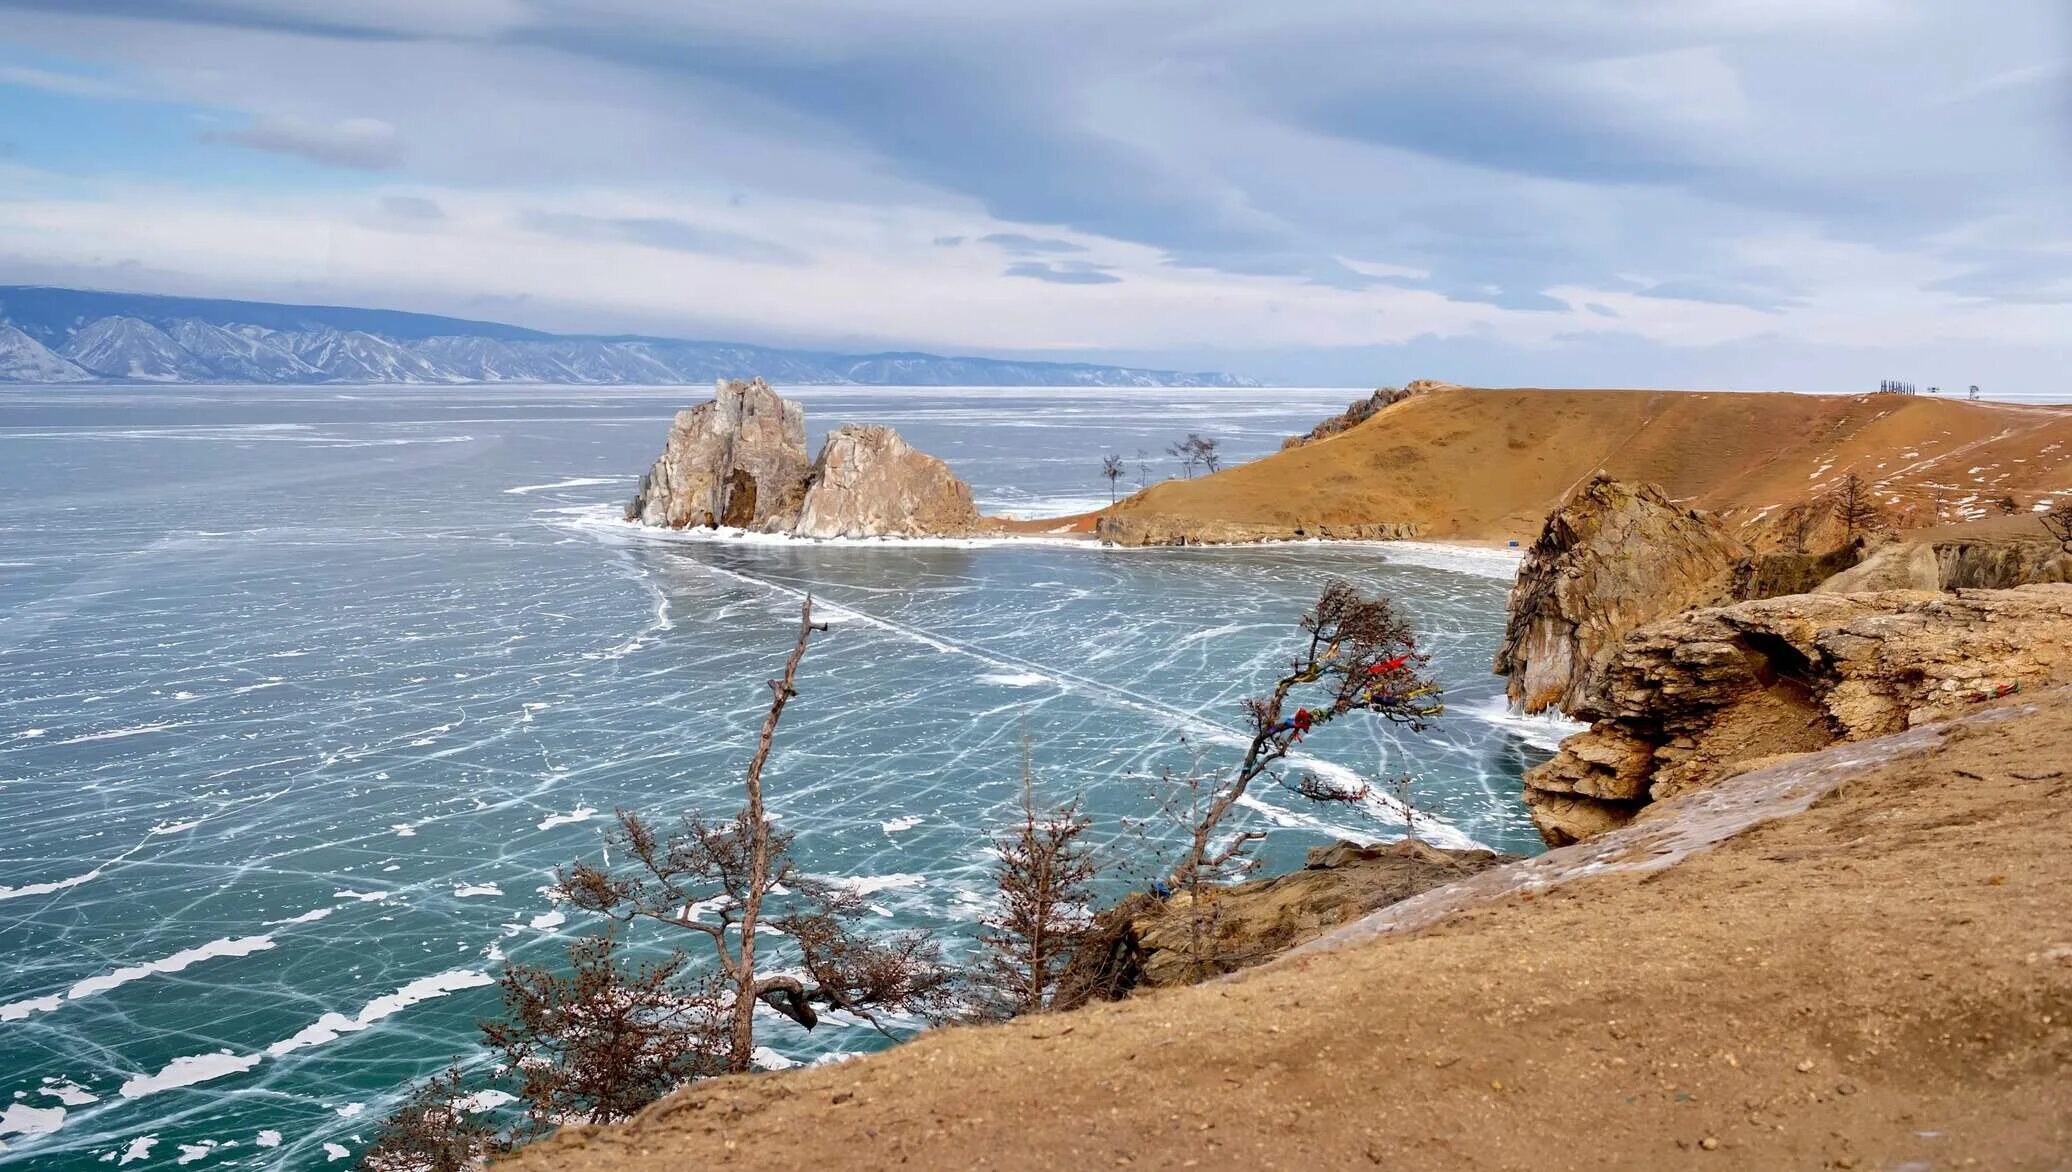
50, 335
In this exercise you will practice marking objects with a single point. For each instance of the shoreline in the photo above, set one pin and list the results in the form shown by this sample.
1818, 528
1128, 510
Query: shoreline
1488, 557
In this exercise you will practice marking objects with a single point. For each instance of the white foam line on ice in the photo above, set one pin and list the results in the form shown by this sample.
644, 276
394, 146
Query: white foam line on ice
1479, 561
575, 482
115, 733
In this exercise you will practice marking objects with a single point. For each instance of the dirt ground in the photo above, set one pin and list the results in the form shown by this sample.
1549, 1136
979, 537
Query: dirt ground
1883, 982
1467, 464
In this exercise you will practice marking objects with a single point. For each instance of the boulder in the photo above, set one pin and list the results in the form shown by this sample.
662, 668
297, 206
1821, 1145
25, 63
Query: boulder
1248, 923
868, 482
1611, 557
1694, 698
739, 460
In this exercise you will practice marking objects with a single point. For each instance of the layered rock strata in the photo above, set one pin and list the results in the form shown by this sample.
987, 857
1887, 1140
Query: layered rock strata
1694, 698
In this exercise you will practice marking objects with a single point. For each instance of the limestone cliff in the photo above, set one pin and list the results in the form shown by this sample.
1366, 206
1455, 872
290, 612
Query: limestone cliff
1611, 557
739, 460
1693, 698
868, 482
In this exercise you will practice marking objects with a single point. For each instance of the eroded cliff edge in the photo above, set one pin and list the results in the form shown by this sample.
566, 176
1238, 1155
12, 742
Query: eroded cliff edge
1693, 698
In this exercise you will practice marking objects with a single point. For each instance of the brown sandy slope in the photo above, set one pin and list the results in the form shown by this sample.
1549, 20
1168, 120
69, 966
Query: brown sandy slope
1490, 464
1883, 980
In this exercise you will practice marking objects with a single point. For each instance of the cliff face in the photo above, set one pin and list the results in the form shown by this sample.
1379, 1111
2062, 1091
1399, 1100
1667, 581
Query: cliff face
868, 482
1949, 563
1611, 557
1690, 699
740, 461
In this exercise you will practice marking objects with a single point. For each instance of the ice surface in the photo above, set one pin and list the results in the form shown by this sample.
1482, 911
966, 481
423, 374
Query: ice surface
332, 619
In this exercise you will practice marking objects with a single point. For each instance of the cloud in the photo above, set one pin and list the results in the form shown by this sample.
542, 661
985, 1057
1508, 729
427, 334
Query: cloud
1020, 244
52, 81
412, 208
1064, 272
363, 143
1783, 175
662, 232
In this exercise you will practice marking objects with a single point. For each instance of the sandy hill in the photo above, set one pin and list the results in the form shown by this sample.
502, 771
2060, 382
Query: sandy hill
1882, 981
1466, 464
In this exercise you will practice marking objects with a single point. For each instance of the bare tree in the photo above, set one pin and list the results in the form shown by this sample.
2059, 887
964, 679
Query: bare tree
434, 1131
610, 1037
1044, 878
1362, 657
1185, 452
1196, 449
719, 879
1854, 508
1111, 467
2058, 522
1799, 524
1143, 469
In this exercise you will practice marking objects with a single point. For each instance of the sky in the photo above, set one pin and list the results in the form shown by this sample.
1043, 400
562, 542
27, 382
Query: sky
1783, 194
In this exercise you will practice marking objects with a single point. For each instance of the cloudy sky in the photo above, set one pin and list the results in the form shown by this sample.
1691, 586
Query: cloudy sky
1804, 194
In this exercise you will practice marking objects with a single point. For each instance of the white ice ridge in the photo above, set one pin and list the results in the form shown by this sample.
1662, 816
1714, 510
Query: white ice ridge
194, 1069
573, 482
580, 814
115, 979
188, 1071
1481, 561
48, 888
331, 1026
1434, 827
22, 1119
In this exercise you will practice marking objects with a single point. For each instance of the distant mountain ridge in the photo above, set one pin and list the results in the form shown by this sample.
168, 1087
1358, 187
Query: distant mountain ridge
51, 335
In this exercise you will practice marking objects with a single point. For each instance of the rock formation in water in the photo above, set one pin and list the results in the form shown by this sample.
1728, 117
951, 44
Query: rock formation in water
868, 482
739, 460
1694, 698
1612, 557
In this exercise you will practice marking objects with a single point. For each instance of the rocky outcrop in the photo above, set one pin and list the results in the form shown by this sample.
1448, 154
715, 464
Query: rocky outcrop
868, 482
1156, 529
1985, 562
739, 460
1362, 410
1145, 941
1611, 557
1694, 698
